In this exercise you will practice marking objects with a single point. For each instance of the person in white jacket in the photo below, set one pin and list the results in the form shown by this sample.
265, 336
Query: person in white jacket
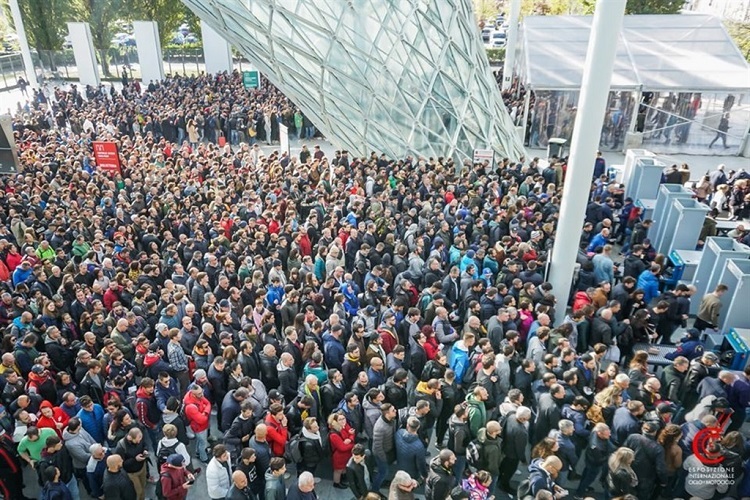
169, 444
219, 473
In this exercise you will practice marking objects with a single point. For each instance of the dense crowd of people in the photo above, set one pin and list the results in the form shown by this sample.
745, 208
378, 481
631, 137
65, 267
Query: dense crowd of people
212, 309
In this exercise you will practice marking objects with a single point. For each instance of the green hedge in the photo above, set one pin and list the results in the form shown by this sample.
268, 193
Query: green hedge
496, 54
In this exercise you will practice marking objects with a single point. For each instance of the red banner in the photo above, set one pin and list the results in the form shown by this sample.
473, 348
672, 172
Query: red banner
107, 157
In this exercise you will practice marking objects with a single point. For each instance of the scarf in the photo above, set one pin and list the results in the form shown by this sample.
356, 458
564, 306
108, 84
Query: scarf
312, 435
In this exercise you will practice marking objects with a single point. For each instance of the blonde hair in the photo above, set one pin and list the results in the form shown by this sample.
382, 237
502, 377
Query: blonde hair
621, 458
607, 397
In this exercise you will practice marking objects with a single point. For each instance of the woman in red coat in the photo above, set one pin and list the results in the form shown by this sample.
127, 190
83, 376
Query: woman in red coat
342, 439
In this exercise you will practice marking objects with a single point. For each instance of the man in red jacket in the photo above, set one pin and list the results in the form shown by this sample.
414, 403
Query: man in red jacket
277, 432
174, 480
198, 413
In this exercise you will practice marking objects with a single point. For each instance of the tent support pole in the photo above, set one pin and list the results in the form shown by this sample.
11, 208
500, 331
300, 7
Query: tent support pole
526, 103
597, 78
636, 107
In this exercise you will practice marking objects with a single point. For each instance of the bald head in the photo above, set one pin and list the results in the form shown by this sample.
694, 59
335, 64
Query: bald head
239, 479
114, 462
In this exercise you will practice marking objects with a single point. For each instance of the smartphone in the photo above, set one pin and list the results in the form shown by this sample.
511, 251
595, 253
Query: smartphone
145, 453
191, 481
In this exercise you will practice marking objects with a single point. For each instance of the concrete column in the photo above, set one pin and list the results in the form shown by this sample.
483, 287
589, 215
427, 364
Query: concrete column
83, 50
216, 51
149, 51
28, 63
510, 44
597, 77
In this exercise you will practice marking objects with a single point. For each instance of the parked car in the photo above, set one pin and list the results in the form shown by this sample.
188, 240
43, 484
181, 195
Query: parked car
497, 39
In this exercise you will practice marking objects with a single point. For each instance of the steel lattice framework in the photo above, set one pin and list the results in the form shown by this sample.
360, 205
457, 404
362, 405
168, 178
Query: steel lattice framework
393, 76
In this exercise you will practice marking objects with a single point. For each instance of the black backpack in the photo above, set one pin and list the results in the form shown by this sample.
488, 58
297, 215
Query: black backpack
164, 452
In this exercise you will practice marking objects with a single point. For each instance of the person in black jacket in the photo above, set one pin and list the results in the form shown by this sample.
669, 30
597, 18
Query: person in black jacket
332, 392
357, 472
55, 454
92, 384
131, 448
549, 412
649, 464
294, 411
440, 479
515, 440
241, 429
395, 389
459, 437
117, 485
310, 446
231, 407
597, 453
288, 381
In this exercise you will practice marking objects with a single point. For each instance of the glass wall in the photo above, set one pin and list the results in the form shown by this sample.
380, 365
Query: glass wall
700, 123
693, 122
553, 115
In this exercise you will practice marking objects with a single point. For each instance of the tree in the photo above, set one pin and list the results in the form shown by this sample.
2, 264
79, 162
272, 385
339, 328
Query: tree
485, 9
169, 14
654, 6
44, 21
740, 33
101, 15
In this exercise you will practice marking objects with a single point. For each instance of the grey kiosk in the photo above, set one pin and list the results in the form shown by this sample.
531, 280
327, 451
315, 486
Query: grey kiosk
735, 312
716, 252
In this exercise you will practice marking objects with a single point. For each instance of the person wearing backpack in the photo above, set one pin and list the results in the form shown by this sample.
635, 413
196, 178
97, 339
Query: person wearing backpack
461, 359
174, 481
310, 446
169, 445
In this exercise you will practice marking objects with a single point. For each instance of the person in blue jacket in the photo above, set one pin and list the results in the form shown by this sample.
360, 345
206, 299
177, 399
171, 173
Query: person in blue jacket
92, 416
690, 346
648, 281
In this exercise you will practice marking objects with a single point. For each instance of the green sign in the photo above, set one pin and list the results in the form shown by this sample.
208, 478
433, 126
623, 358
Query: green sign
251, 79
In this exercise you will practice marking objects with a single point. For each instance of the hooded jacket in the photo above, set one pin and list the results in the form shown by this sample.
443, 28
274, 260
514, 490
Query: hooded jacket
477, 414
172, 479
58, 416
78, 446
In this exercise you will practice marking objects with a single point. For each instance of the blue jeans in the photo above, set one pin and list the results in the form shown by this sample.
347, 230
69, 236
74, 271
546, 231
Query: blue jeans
234, 137
73, 487
310, 132
201, 443
459, 467
382, 474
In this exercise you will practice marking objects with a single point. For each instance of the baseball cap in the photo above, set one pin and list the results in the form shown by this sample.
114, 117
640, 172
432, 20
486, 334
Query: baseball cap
275, 395
176, 460
665, 408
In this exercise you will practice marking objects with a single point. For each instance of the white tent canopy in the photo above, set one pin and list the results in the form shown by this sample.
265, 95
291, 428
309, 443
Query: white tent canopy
684, 52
